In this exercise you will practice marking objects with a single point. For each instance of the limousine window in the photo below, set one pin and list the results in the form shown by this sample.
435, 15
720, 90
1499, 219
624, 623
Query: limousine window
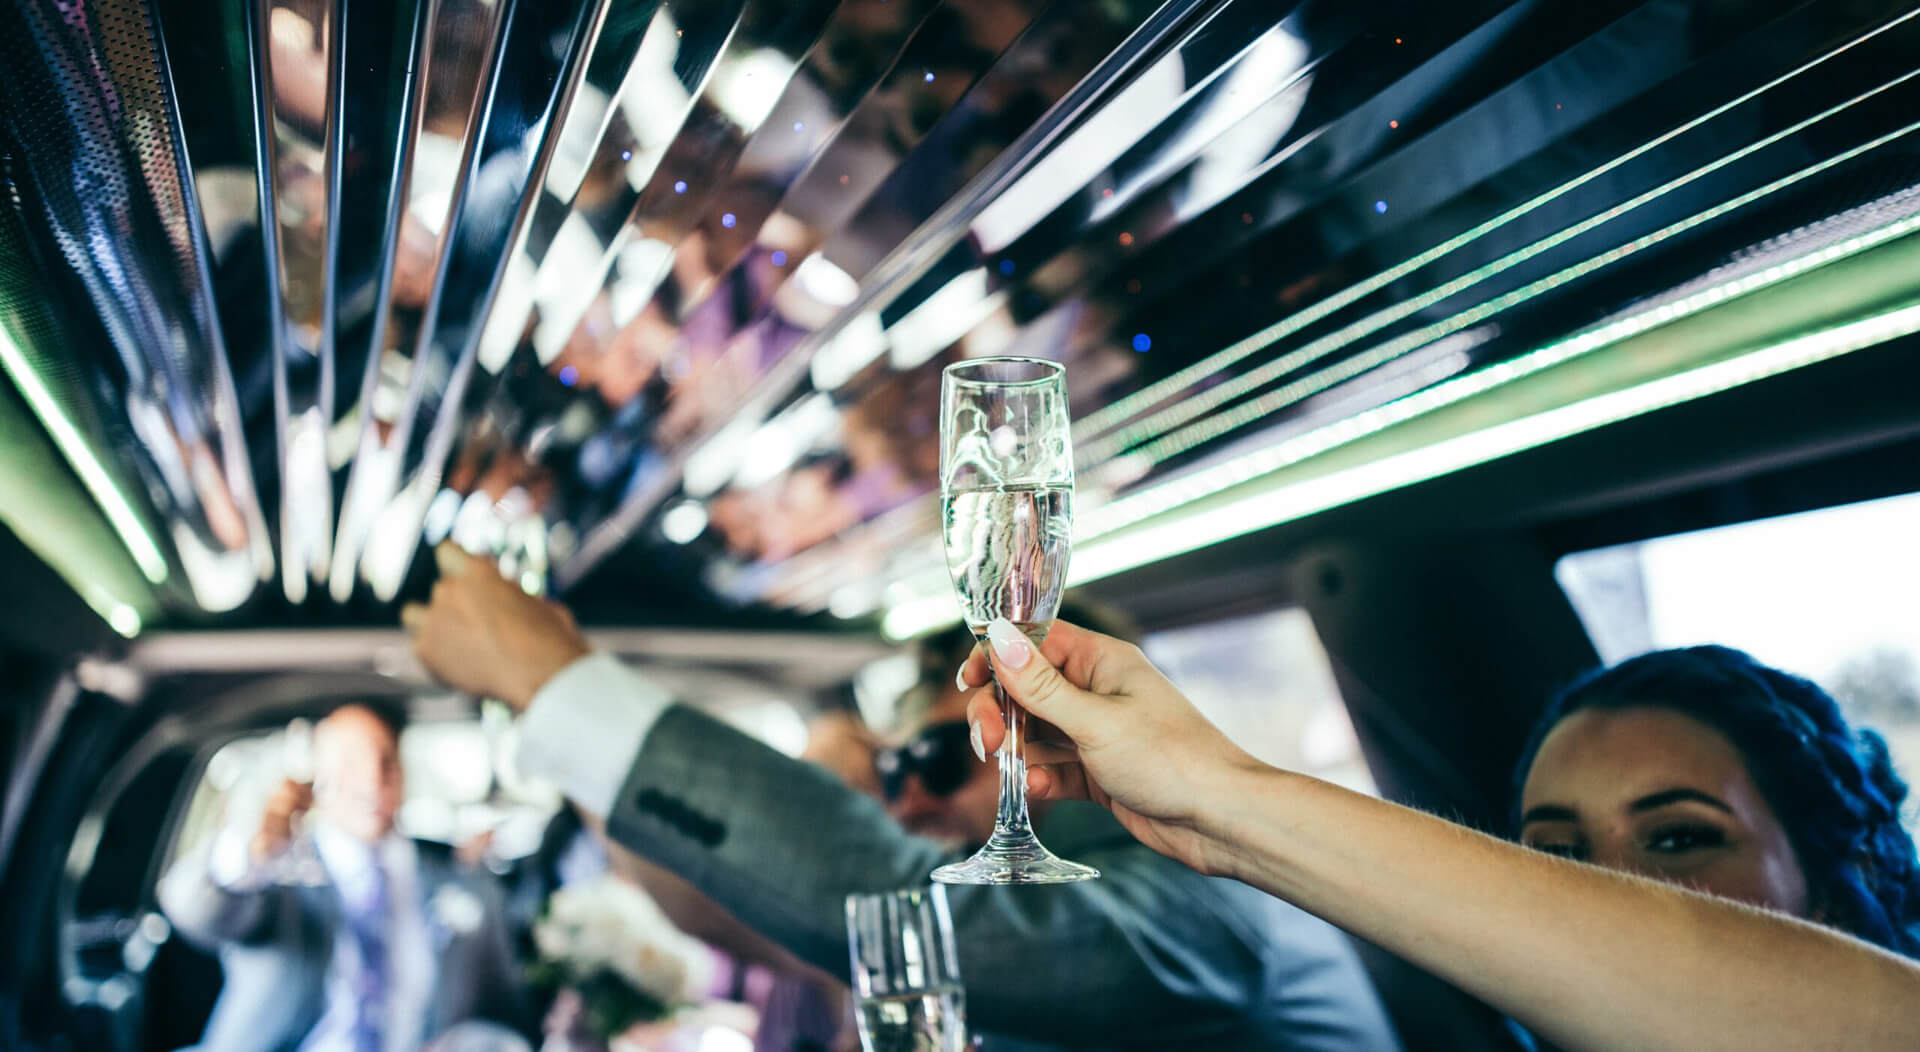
1832, 594
1266, 681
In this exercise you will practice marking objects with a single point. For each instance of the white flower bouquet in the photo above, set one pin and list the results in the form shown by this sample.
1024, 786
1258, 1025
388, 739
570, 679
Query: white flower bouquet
623, 960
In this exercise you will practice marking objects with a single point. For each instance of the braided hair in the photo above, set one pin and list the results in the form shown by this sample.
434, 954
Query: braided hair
1833, 787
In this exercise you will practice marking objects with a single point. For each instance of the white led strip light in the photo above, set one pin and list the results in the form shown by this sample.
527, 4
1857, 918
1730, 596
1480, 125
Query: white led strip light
925, 604
1112, 415
1190, 409
1185, 533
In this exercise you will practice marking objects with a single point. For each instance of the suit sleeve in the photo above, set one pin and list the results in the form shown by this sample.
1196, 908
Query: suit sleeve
781, 843
208, 913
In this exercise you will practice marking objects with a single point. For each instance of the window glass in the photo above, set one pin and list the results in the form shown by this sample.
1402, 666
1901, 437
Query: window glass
1832, 595
1266, 681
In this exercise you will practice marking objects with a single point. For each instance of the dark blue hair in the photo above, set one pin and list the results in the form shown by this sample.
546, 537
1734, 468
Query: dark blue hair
1833, 788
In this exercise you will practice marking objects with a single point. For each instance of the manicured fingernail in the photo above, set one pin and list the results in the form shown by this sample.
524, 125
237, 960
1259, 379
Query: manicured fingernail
1010, 644
973, 735
960, 678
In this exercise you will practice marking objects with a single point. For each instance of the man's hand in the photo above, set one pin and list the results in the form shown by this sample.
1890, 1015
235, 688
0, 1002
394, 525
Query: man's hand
484, 635
286, 803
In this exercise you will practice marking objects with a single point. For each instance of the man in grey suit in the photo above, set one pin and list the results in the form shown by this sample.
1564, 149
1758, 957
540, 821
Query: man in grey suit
1152, 955
359, 941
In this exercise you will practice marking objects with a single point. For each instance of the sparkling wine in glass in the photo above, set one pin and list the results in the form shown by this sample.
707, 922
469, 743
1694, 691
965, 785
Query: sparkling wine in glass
906, 976
1006, 470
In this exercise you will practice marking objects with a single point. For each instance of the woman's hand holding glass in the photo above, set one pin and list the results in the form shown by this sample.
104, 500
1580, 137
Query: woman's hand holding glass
1108, 727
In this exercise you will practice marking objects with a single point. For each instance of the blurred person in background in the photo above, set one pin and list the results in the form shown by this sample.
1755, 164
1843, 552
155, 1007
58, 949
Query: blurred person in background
380, 944
1151, 955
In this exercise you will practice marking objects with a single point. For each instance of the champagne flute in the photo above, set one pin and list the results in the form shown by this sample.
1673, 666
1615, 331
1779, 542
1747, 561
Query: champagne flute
1006, 482
301, 863
906, 977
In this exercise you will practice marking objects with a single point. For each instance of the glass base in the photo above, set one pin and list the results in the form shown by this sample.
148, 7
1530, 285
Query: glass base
1014, 860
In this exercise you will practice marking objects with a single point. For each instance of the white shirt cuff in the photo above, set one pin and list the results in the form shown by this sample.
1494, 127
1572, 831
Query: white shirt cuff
586, 725
230, 863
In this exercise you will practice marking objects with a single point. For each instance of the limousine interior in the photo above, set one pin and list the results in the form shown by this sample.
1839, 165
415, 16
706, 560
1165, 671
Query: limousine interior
1421, 356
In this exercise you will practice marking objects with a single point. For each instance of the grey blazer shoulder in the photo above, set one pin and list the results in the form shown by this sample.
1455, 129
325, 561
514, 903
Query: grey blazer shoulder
1151, 955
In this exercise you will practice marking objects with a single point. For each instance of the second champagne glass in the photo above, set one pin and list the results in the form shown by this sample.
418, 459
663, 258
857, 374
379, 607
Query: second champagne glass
906, 976
1006, 487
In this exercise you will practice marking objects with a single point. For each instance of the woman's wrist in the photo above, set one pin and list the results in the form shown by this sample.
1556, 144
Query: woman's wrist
1230, 802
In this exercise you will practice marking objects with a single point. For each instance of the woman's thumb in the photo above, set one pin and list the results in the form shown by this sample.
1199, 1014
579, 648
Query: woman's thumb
1026, 676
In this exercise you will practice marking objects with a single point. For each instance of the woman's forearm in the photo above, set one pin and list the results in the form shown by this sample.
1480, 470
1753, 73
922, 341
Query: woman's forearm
1587, 958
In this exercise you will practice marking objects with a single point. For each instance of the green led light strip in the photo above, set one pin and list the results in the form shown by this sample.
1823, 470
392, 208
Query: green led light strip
1173, 521
93, 475
1124, 409
1201, 528
1202, 484
1348, 368
1203, 402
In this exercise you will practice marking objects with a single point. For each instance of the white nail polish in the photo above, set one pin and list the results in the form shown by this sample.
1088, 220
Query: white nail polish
973, 735
960, 678
1010, 645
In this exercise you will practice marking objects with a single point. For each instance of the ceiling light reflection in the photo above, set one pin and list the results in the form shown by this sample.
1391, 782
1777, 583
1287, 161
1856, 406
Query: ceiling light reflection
858, 344
941, 319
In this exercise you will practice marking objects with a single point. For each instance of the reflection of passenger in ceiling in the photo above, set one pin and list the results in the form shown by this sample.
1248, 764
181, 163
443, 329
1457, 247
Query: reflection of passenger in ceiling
888, 454
723, 311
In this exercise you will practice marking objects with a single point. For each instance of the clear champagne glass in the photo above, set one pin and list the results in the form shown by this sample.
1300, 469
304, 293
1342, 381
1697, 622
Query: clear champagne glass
1006, 487
301, 863
906, 977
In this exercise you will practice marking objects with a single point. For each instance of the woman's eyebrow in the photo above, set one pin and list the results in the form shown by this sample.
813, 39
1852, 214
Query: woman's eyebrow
1549, 813
1672, 796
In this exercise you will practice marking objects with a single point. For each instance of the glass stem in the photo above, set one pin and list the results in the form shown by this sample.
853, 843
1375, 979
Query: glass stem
1013, 820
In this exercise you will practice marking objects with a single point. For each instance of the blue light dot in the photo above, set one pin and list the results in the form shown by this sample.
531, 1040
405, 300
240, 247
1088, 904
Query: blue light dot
1380, 207
626, 155
1006, 266
779, 258
569, 375
728, 220
1142, 342
797, 126
680, 187
929, 77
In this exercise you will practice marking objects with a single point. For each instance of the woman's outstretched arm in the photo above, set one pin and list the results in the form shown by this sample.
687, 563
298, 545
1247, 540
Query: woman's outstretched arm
1585, 957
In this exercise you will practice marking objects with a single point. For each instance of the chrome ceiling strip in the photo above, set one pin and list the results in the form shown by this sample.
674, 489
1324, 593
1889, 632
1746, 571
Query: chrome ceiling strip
1161, 391
748, 80
676, 57
498, 144
110, 180
569, 147
931, 240
1220, 395
297, 56
846, 552
462, 46
838, 75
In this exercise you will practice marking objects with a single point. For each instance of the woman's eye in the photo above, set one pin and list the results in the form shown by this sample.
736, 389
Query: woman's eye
1674, 840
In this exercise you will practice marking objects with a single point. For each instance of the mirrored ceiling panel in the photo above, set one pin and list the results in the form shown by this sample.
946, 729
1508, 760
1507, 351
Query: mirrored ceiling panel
650, 300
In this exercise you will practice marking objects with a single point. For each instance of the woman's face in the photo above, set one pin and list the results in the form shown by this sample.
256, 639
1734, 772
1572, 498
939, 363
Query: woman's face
1658, 793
